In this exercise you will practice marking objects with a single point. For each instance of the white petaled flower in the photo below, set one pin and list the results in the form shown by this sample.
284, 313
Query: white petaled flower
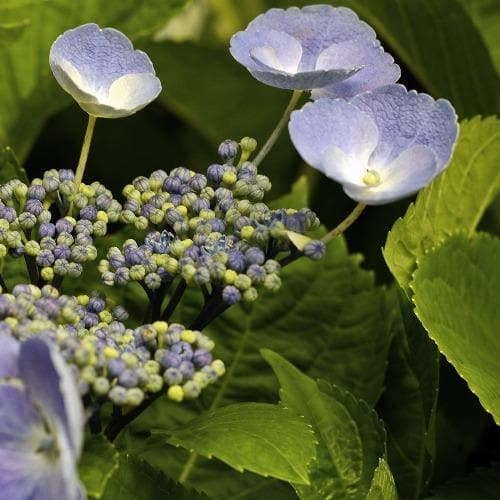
102, 71
381, 145
316, 47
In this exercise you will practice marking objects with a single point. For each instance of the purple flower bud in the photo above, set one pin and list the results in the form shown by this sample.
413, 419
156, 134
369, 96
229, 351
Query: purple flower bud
159, 242
64, 226
170, 359
89, 213
7, 213
83, 239
182, 173
84, 227
116, 261
296, 222
147, 210
128, 378
90, 319
62, 252
201, 358
226, 204
193, 252
236, 260
133, 255
315, 249
200, 204
116, 367
45, 258
66, 174
228, 149
34, 206
175, 199
242, 221
218, 225
256, 273
122, 276
36, 192
198, 182
172, 185
103, 201
46, 229
96, 304
183, 350
215, 173
231, 295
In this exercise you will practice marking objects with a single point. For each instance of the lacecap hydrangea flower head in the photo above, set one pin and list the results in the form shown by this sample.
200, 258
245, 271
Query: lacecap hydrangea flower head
41, 422
102, 71
381, 145
316, 47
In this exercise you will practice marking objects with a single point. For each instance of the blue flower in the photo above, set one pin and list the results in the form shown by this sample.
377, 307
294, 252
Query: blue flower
41, 422
102, 71
316, 47
381, 145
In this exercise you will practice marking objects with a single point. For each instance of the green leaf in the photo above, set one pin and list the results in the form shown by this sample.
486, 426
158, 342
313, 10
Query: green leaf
456, 298
482, 484
408, 404
486, 16
297, 198
135, 479
262, 438
456, 200
97, 465
350, 436
383, 486
28, 92
10, 168
329, 319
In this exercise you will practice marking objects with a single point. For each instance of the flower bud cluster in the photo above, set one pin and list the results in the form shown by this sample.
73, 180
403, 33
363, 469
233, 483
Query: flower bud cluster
58, 245
110, 360
209, 229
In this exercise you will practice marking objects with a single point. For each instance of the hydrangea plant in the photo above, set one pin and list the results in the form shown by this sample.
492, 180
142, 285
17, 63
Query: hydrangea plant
89, 389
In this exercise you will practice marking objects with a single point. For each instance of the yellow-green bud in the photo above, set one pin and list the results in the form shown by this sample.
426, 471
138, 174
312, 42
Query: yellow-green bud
102, 216
229, 178
247, 232
83, 300
175, 393
47, 274
243, 282
230, 277
188, 336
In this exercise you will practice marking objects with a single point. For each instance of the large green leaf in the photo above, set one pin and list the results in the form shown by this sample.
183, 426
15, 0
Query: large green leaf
408, 404
136, 479
266, 439
456, 200
98, 463
350, 436
482, 484
28, 92
10, 168
456, 297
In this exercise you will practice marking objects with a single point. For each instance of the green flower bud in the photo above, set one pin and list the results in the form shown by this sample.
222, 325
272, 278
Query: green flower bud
242, 282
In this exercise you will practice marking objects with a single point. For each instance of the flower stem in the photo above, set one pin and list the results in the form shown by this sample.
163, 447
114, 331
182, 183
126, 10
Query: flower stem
347, 222
174, 300
278, 129
3, 285
84, 154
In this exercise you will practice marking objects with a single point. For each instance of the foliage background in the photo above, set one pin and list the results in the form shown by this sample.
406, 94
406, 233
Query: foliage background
448, 48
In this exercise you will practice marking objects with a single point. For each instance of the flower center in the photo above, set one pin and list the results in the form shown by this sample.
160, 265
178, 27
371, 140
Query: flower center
371, 178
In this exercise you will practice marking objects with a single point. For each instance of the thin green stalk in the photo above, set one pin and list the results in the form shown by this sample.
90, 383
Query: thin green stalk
348, 221
279, 128
84, 154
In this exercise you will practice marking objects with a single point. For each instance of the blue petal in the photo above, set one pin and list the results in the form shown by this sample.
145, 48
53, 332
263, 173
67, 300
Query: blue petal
53, 389
325, 123
408, 118
9, 352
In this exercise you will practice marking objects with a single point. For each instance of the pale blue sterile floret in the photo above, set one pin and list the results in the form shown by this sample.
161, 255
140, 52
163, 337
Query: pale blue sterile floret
316, 47
381, 145
102, 71
41, 422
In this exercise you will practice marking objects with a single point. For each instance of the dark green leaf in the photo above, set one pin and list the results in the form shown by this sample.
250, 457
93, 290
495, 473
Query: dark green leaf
10, 168
408, 404
136, 479
97, 465
382, 487
350, 436
262, 438
456, 298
